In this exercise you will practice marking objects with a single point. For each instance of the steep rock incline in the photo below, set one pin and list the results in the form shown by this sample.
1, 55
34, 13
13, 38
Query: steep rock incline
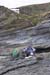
17, 32
40, 34
10, 23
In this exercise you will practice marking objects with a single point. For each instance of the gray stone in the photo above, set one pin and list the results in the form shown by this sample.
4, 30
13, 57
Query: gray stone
40, 34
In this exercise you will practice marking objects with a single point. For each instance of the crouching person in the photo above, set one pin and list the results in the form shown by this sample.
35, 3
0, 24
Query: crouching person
29, 51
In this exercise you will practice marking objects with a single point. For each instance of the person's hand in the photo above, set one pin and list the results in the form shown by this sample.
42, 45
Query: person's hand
31, 54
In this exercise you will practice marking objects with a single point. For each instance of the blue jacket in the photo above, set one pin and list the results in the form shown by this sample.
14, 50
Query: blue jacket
29, 49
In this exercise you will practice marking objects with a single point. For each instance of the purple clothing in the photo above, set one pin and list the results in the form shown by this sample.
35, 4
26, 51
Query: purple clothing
29, 50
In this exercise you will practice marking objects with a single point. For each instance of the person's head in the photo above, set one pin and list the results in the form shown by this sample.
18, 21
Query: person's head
30, 45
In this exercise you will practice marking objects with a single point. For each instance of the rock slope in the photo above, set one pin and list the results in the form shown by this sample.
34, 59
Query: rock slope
41, 34
10, 23
15, 32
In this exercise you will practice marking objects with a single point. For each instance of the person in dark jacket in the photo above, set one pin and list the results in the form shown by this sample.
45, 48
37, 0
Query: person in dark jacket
29, 51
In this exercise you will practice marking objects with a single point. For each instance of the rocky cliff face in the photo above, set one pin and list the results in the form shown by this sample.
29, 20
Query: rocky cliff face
41, 34
15, 32
10, 19
38, 35
10, 23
